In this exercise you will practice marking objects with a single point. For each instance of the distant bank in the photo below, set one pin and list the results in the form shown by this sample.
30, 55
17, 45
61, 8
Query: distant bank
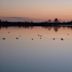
19, 24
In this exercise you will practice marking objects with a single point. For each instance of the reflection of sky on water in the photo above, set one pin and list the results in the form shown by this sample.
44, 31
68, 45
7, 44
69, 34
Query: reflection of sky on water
36, 33
37, 55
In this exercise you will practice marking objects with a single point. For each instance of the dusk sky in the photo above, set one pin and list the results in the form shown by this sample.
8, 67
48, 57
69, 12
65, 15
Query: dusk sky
39, 9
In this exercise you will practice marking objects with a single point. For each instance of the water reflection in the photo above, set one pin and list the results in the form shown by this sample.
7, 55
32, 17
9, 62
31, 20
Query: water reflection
36, 32
41, 32
36, 49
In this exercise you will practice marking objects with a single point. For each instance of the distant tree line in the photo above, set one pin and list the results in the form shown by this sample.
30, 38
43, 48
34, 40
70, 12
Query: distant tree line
56, 22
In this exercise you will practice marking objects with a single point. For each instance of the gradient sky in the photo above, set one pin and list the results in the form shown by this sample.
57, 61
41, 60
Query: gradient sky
39, 9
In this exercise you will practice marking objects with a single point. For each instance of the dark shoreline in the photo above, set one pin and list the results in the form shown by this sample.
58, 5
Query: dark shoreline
30, 24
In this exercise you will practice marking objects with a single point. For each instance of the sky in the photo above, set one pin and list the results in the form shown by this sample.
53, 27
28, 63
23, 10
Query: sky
38, 9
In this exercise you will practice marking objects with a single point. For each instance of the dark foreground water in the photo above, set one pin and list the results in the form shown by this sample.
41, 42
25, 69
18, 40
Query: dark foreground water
36, 49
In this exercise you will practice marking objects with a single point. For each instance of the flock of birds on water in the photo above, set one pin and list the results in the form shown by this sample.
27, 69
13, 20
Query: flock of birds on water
31, 39
39, 35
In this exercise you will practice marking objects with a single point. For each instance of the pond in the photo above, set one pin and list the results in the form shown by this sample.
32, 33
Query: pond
36, 49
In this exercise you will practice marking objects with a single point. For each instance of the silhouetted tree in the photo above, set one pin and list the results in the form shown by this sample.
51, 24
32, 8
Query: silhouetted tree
6, 21
0, 20
56, 20
49, 20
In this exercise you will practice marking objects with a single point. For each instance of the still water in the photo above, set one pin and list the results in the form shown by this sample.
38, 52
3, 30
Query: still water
36, 49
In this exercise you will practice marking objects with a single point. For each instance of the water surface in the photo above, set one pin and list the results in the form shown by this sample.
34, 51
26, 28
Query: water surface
36, 49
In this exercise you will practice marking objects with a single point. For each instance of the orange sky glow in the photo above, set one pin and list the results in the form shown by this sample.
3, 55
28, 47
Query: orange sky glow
38, 9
